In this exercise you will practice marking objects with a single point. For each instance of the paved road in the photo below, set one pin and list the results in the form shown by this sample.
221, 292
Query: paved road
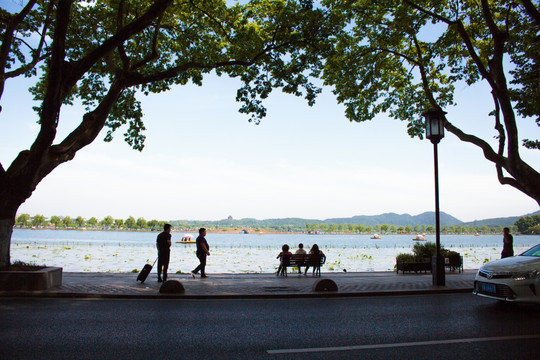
449, 326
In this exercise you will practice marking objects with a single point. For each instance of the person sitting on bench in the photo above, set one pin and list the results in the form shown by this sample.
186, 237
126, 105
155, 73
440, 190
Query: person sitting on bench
315, 256
284, 259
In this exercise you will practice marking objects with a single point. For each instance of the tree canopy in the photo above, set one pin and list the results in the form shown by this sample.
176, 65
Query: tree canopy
528, 224
403, 57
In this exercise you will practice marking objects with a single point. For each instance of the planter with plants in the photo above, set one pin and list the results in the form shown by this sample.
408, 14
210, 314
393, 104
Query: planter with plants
409, 262
420, 260
27, 277
452, 260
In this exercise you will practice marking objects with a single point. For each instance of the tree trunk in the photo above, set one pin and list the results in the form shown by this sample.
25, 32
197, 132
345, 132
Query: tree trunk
6, 229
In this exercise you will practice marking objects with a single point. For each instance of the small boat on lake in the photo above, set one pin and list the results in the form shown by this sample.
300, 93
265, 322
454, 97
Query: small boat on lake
375, 236
186, 239
420, 237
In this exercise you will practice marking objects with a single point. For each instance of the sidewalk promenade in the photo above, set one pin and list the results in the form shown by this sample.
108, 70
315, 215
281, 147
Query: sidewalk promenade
124, 285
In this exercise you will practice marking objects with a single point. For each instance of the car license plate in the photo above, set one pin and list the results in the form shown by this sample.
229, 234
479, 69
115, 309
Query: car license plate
490, 288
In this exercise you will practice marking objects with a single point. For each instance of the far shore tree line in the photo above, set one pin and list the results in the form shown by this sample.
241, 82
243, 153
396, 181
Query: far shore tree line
524, 225
528, 224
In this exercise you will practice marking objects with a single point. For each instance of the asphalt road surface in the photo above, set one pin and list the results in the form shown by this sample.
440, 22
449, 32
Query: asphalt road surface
452, 326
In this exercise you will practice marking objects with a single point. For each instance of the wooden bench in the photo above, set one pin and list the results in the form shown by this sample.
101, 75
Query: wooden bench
299, 260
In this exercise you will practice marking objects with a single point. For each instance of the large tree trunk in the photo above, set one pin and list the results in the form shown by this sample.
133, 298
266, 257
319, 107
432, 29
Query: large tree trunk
7, 220
16, 186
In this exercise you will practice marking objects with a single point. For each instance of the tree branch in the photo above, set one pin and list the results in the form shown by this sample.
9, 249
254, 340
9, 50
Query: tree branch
7, 40
498, 125
504, 180
489, 153
500, 161
52, 100
464, 36
89, 128
134, 79
36, 53
499, 86
213, 19
120, 23
83, 65
532, 11
423, 74
154, 53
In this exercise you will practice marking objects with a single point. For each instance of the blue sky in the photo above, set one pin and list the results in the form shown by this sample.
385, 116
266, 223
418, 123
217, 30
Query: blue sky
203, 160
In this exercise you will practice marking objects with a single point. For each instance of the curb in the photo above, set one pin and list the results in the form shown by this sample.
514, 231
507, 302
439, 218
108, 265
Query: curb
34, 294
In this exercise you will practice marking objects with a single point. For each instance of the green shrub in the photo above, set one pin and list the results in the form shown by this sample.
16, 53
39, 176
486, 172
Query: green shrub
448, 253
425, 250
405, 258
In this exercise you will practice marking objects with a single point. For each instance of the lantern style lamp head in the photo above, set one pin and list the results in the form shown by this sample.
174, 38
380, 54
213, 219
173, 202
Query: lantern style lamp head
434, 125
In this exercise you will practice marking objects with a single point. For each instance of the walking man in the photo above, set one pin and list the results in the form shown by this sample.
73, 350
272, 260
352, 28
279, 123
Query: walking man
163, 244
202, 252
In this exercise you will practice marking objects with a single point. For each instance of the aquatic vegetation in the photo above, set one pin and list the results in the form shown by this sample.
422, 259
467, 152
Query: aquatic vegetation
248, 257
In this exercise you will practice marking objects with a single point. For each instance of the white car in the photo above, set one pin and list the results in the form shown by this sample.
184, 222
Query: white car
515, 278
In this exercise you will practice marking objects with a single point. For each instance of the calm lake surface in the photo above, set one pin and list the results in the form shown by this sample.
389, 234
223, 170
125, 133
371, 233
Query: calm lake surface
125, 251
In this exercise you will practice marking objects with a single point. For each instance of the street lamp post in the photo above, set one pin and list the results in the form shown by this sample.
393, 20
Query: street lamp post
435, 132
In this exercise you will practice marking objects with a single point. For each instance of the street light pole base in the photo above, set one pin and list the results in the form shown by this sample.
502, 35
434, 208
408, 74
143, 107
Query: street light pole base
437, 270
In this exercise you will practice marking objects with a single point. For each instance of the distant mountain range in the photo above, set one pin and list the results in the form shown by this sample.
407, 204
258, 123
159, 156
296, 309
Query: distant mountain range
426, 218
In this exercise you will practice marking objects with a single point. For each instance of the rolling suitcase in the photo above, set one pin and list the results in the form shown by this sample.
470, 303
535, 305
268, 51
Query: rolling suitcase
145, 271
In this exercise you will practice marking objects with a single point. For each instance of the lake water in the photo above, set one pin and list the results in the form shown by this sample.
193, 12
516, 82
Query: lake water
122, 251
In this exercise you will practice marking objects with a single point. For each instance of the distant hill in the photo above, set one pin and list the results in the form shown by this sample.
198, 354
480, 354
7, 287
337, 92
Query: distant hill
495, 222
426, 218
